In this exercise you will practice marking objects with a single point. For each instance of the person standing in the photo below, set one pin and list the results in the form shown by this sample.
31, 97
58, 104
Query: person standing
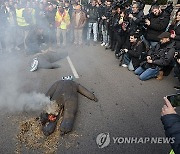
78, 21
62, 20
92, 15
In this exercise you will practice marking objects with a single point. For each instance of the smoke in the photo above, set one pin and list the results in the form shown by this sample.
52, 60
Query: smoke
12, 82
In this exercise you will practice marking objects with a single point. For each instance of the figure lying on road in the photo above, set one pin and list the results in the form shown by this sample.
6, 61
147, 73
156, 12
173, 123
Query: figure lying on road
46, 60
64, 95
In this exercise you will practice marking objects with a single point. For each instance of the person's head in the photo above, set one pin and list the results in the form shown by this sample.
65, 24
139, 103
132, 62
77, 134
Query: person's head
135, 7
66, 4
11, 3
44, 2
78, 8
61, 8
133, 37
177, 18
118, 10
108, 3
93, 3
50, 7
99, 2
164, 37
6, 3
156, 10
15, 5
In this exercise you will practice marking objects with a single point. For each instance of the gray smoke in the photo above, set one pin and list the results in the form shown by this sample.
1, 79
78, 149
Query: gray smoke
12, 84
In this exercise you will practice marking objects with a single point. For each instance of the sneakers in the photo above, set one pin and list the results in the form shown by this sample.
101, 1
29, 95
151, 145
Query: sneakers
124, 65
106, 45
34, 65
103, 44
69, 77
177, 87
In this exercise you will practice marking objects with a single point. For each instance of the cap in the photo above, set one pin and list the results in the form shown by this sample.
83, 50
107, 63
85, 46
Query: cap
164, 35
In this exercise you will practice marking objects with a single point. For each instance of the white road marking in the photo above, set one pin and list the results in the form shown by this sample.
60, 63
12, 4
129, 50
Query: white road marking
72, 67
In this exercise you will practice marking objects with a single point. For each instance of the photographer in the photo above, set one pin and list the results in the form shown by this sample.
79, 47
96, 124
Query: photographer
158, 58
171, 121
135, 19
156, 24
121, 32
131, 57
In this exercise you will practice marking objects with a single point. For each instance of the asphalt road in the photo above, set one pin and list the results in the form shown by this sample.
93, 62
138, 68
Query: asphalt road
127, 107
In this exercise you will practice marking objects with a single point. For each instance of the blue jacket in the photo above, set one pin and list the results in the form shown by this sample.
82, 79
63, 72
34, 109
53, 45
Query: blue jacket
171, 124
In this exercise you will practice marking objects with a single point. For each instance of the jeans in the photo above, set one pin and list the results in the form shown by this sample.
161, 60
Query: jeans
78, 36
127, 60
58, 34
145, 74
93, 26
104, 34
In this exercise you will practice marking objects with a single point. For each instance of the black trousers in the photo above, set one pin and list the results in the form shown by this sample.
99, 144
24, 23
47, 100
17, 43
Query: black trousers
120, 39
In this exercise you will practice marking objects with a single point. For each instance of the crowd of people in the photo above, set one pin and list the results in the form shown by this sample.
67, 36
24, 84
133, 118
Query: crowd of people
146, 44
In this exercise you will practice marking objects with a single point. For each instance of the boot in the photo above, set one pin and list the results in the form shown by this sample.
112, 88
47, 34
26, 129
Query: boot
160, 76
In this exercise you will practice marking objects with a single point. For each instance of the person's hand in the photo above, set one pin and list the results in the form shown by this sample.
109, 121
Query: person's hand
148, 57
103, 17
149, 61
167, 108
173, 35
126, 50
147, 22
131, 16
178, 60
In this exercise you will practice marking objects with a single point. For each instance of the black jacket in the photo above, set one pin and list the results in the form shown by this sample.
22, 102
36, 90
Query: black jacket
163, 54
158, 24
135, 53
135, 23
176, 28
92, 11
171, 124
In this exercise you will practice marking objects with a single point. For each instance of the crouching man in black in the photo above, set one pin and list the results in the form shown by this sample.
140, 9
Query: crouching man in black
157, 59
65, 94
131, 58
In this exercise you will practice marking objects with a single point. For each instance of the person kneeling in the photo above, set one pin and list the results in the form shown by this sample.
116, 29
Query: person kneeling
131, 58
158, 58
